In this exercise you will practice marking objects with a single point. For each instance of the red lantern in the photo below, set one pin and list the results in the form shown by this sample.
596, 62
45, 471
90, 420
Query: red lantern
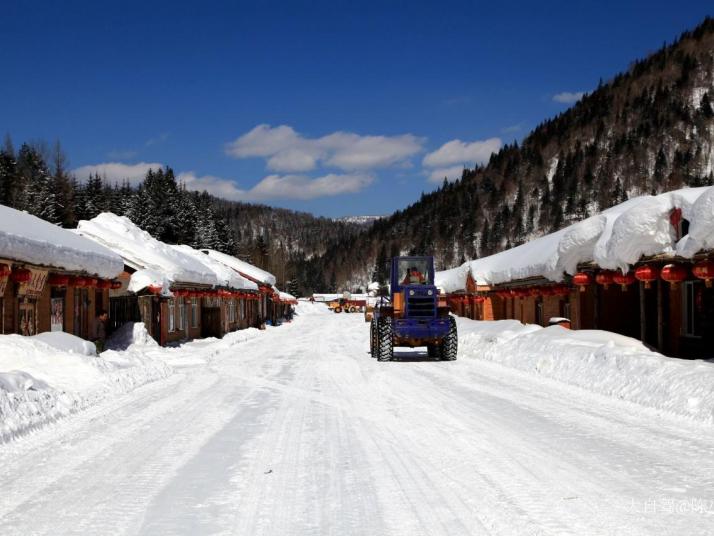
58, 280
673, 273
479, 299
582, 280
604, 278
104, 284
646, 274
23, 275
4, 270
624, 280
81, 282
704, 270
115, 285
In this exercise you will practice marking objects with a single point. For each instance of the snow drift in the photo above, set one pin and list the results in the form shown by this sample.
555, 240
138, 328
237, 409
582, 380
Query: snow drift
598, 361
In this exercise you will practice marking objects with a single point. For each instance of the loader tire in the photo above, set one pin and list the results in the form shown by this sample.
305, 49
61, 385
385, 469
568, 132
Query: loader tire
450, 346
338, 309
385, 347
373, 339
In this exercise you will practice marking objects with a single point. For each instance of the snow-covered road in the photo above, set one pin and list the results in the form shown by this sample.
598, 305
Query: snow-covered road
301, 432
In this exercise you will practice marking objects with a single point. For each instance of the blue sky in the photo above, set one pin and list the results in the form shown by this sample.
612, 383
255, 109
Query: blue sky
337, 108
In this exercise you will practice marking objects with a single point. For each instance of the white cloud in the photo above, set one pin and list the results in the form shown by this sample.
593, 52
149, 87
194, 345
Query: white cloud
288, 151
568, 97
451, 173
279, 186
117, 172
463, 153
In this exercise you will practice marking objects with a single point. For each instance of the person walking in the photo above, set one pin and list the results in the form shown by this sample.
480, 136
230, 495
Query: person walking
100, 330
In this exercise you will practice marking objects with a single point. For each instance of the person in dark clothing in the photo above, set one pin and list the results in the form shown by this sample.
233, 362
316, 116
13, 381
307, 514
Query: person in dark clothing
100, 330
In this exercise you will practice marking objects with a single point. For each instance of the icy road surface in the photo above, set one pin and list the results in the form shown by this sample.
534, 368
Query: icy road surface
299, 431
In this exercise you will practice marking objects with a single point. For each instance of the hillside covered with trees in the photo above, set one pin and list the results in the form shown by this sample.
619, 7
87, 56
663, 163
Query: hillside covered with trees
645, 131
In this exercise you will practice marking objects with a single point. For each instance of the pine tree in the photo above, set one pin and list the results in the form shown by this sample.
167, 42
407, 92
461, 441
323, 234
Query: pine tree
37, 196
62, 187
8, 173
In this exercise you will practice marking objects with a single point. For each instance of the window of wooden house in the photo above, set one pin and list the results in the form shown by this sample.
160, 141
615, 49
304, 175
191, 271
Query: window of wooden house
181, 314
57, 305
539, 312
232, 311
698, 309
242, 310
194, 312
565, 309
81, 312
172, 315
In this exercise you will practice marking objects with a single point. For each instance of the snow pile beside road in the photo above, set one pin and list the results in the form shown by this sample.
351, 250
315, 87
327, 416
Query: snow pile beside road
599, 361
51, 375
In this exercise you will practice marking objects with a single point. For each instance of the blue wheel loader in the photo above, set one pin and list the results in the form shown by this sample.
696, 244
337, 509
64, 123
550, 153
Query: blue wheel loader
412, 315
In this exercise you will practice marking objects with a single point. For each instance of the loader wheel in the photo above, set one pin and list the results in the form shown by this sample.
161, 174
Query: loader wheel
338, 309
432, 350
449, 347
385, 348
373, 340
353, 309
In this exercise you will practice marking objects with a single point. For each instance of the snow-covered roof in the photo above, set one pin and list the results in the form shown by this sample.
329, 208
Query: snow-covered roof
286, 297
26, 238
246, 269
160, 264
616, 238
226, 276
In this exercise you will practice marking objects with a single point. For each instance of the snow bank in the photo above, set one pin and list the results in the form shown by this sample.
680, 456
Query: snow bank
599, 361
244, 268
66, 342
158, 263
51, 375
26, 238
131, 334
616, 238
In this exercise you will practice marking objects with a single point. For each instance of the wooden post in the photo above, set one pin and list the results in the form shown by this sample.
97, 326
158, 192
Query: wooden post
643, 319
660, 316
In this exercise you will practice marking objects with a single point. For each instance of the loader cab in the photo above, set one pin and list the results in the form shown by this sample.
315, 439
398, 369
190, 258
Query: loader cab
411, 272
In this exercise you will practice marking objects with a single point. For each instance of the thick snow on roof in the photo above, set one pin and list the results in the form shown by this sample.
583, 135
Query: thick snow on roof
158, 263
226, 276
287, 297
243, 267
616, 238
26, 238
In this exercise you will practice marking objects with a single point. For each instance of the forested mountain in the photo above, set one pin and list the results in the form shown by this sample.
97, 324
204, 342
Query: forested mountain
647, 130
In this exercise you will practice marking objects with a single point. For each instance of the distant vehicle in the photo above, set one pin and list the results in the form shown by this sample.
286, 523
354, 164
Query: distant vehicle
412, 315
